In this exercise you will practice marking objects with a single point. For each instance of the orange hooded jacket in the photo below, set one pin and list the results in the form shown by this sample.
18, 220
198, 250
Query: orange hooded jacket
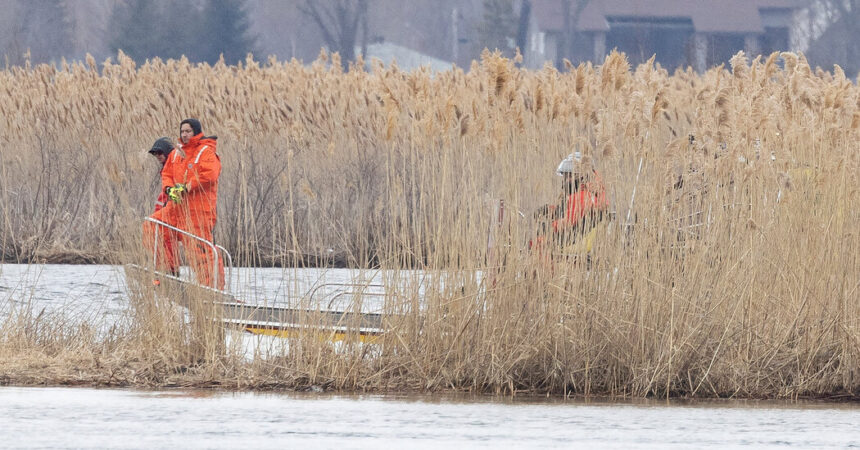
199, 173
589, 199
196, 213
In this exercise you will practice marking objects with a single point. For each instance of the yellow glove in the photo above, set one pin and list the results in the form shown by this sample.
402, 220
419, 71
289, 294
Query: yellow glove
175, 193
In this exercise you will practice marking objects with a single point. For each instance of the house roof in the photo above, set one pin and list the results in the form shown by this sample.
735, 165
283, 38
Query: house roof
548, 14
708, 16
788, 4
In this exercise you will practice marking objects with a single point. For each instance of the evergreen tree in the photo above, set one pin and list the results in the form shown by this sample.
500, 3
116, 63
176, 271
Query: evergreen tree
223, 28
137, 29
181, 22
44, 29
498, 28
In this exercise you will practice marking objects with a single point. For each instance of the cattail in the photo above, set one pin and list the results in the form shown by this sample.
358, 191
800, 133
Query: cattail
464, 125
791, 61
740, 69
500, 75
539, 99
580, 80
660, 104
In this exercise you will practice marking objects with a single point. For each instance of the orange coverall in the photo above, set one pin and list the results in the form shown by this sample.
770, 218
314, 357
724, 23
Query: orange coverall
589, 199
196, 213
166, 256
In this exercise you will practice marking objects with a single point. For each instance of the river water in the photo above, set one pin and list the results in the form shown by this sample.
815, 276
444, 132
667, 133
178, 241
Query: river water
96, 292
102, 418
113, 418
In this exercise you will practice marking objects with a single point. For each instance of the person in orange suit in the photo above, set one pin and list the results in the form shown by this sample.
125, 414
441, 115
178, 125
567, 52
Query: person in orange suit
581, 206
583, 200
192, 190
166, 155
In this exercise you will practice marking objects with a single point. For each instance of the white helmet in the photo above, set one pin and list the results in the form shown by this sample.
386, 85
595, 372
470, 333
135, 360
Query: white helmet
571, 164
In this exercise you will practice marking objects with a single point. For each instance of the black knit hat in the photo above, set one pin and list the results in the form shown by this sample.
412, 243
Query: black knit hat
195, 125
162, 145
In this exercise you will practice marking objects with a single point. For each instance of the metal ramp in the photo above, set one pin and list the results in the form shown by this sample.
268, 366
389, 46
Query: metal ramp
338, 319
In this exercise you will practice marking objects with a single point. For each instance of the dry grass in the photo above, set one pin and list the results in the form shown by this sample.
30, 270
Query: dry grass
736, 276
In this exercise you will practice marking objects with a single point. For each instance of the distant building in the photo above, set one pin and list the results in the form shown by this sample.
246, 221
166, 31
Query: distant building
698, 33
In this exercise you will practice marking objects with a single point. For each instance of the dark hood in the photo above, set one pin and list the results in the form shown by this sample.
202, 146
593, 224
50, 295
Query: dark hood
162, 145
195, 125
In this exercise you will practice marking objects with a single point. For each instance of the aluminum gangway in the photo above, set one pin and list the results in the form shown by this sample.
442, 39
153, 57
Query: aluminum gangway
263, 319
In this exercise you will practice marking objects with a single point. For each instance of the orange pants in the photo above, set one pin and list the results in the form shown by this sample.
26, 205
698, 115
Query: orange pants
166, 253
200, 256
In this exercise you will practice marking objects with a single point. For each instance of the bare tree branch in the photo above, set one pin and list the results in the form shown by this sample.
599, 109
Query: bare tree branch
309, 9
338, 21
572, 10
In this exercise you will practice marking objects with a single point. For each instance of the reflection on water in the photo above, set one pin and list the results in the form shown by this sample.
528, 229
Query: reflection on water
71, 417
98, 293
86, 293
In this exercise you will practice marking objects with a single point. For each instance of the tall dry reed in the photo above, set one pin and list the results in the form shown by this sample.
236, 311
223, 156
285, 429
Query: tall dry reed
732, 270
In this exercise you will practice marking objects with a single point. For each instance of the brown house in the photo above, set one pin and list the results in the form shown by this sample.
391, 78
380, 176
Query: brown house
697, 33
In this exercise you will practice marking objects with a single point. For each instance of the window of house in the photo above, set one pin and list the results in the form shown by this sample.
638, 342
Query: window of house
642, 37
722, 46
538, 44
774, 39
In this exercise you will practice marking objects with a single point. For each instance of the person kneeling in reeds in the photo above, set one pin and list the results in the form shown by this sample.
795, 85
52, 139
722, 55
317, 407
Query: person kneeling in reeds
569, 225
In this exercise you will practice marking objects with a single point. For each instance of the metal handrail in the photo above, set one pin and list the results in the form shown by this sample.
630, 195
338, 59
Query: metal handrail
339, 294
347, 285
229, 265
193, 236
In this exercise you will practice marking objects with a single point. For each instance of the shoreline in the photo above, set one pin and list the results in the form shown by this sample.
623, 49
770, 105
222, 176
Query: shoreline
154, 345
216, 386
84, 259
